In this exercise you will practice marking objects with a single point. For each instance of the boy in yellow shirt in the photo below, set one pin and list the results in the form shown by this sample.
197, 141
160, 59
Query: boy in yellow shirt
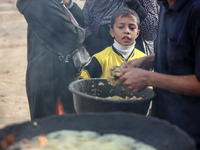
124, 29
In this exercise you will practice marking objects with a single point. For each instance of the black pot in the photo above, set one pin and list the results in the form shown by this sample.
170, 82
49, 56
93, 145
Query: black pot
157, 133
90, 96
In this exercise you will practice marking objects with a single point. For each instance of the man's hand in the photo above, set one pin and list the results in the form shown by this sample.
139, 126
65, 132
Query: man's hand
133, 79
66, 2
136, 63
146, 63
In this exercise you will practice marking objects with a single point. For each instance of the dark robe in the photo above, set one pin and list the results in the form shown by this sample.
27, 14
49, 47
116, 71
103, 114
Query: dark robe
52, 39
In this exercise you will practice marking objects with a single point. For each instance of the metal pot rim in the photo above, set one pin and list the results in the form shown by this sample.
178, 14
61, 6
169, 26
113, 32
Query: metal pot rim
71, 88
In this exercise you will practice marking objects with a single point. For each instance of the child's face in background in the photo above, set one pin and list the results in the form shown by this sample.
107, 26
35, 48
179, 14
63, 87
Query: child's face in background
125, 30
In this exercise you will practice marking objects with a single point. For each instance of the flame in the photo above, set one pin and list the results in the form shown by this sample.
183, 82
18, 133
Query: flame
7, 141
42, 140
59, 107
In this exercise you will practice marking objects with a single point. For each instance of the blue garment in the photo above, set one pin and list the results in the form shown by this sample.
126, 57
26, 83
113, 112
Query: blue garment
177, 52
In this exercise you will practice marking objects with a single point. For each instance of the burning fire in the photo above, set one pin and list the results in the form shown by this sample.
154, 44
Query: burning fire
59, 107
7, 141
10, 139
42, 140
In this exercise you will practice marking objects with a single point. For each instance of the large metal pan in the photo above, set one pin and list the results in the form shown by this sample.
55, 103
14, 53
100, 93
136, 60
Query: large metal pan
157, 133
89, 95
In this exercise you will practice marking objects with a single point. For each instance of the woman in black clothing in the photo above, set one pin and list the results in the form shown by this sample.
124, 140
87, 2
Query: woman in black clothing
54, 51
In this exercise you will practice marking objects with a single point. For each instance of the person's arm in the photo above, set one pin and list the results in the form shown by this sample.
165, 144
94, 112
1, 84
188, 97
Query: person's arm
186, 85
92, 70
148, 27
137, 79
146, 62
76, 11
136, 6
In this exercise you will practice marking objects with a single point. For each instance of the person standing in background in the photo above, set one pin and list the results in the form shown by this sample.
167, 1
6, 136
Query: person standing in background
124, 28
55, 53
176, 76
97, 16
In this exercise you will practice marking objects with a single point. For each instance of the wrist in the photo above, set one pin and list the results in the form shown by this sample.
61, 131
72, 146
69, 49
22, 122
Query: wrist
70, 4
147, 78
148, 62
67, 2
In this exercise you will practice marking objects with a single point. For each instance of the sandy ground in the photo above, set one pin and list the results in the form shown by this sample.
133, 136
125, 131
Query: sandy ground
13, 52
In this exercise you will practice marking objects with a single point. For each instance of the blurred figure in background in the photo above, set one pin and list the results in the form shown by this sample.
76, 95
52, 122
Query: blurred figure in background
97, 16
55, 53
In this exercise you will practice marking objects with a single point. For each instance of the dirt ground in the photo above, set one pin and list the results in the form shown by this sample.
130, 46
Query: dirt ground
13, 53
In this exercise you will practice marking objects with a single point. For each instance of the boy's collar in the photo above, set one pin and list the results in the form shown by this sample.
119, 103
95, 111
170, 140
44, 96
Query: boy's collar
124, 51
120, 47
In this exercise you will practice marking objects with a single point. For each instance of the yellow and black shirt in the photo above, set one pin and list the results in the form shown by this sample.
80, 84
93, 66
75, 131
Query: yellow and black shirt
103, 60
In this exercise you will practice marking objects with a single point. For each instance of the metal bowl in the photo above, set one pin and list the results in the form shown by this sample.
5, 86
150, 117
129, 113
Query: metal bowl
158, 133
90, 95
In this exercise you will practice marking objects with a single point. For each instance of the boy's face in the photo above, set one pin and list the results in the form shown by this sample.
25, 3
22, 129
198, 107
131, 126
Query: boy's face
125, 30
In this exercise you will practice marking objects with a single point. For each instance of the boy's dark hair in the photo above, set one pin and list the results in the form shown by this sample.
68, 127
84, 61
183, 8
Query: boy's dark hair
124, 12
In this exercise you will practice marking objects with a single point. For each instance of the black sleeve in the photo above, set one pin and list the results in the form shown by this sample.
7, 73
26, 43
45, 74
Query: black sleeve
94, 68
78, 14
136, 6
